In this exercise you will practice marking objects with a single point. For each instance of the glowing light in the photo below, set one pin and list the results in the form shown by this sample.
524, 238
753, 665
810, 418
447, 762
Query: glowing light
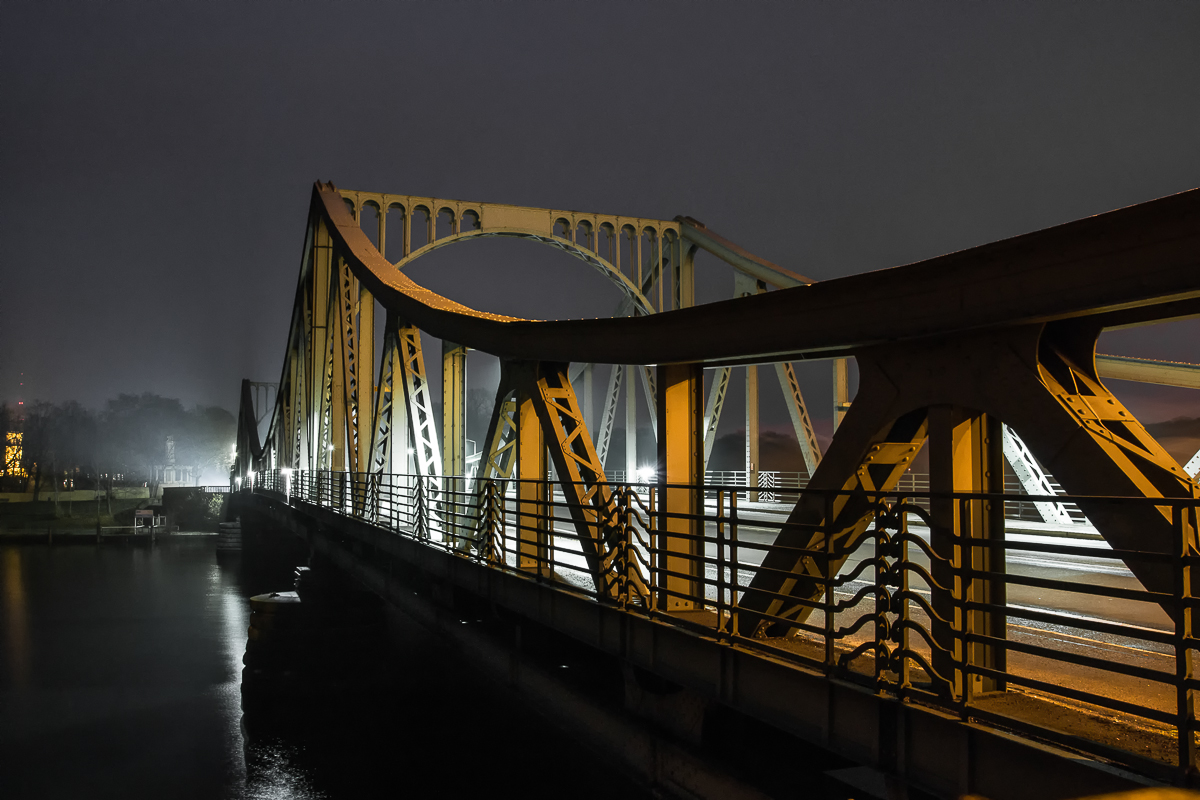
645, 474
13, 452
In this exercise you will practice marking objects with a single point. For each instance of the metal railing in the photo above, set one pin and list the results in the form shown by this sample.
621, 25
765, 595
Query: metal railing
1054, 639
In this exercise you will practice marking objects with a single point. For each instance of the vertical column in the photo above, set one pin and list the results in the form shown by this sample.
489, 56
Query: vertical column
636, 245
400, 446
589, 411
290, 412
407, 226
841, 390
745, 286
685, 274
337, 386
318, 338
614, 249
532, 488
656, 245
631, 464
680, 474
965, 448
752, 463
454, 423
383, 212
364, 365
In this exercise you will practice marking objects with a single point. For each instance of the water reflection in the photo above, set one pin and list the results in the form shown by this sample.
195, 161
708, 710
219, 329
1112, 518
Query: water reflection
16, 620
122, 672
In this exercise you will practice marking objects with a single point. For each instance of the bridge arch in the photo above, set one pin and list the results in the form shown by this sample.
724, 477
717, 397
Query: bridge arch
567, 245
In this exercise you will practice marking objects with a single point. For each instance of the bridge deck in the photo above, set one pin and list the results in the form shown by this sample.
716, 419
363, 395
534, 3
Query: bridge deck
1063, 688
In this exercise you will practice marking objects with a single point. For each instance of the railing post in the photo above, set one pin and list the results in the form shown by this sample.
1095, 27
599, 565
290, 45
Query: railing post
902, 615
422, 521
1185, 699
722, 612
733, 557
828, 595
884, 577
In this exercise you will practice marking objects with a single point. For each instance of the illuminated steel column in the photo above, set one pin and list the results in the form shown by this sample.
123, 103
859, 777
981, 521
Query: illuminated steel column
532, 487
365, 374
454, 425
685, 273
841, 390
631, 464
965, 455
746, 286
336, 385
318, 341
680, 470
752, 430
589, 414
406, 226
383, 212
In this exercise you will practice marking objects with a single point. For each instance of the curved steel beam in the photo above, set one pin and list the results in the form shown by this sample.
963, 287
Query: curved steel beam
1131, 266
589, 257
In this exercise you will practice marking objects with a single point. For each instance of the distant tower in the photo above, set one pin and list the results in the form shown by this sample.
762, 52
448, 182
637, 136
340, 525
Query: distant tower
14, 444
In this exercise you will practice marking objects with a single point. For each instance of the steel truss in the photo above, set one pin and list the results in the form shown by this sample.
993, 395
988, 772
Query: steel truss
932, 384
947, 370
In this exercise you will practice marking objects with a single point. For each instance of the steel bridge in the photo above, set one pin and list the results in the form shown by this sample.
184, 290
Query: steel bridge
920, 633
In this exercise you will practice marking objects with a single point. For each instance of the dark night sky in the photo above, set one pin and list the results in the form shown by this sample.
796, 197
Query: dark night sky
157, 158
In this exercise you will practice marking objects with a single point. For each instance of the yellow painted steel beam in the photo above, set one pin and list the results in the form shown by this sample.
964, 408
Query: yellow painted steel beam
1126, 267
680, 467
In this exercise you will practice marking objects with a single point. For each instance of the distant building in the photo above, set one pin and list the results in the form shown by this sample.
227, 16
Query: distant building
14, 451
170, 474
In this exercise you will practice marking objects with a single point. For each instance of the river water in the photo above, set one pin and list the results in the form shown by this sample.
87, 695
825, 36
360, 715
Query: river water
120, 670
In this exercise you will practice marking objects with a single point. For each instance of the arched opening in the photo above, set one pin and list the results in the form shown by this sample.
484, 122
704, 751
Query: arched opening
583, 235
469, 222
651, 266
562, 228
419, 236
394, 231
445, 223
1168, 406
350, 207
368, 220
606, 245
627, 253
564, 290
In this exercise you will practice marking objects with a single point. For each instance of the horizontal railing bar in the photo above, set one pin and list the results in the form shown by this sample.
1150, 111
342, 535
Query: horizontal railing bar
555, 541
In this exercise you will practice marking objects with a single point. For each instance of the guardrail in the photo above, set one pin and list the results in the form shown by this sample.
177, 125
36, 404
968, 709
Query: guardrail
1054, 640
